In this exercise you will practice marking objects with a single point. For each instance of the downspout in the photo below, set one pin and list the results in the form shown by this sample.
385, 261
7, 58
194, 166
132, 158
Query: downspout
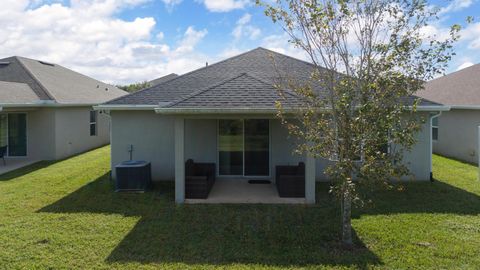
431, 144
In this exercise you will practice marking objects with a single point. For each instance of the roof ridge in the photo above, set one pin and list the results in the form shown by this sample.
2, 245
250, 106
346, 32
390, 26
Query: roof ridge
29, 73
288, 56
268, 83
455, 72
188, 73
196, 93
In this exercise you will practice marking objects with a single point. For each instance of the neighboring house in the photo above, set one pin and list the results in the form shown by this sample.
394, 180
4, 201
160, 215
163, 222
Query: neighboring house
163, 79
455, 133
225, 114
46, 110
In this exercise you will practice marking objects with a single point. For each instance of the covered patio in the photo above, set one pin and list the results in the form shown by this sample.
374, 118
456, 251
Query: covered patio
240, 191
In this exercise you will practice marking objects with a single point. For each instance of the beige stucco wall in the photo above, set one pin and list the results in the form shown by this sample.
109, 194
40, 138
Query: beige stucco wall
72, 131
56, 133
419, 158
458, 135
152, 137
41, 134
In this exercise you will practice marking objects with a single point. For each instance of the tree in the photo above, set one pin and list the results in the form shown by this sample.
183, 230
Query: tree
369, 57
134, 87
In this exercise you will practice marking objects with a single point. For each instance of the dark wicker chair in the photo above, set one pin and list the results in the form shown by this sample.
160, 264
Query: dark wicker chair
3, 152
290, 180
199, 179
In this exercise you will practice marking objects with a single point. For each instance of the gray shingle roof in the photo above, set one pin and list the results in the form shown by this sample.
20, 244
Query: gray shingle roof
13, 70
243, 91
245, 79
17, 93
56, 83
163, 79
457, 88
260, 63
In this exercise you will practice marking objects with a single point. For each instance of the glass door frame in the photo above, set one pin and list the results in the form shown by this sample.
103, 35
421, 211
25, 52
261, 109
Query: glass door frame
243, 150
7, 154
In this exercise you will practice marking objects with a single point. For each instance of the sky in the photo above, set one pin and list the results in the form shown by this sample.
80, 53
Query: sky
126, 41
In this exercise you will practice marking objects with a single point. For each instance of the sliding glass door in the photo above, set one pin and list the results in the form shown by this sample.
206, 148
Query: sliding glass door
3, 130
257, 147
243, 147
13, 133
230, 147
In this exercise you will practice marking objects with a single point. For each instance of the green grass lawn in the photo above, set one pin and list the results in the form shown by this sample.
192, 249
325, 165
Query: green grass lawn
66, 215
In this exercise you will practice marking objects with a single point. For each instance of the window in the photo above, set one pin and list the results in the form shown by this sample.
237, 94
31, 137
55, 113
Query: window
435, 128
93, 123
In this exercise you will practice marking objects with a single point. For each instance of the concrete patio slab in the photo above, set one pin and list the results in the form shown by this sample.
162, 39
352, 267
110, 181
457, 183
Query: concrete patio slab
235, 191
15, 163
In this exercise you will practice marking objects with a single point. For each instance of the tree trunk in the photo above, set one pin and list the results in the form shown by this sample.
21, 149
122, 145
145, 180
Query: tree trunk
347, 219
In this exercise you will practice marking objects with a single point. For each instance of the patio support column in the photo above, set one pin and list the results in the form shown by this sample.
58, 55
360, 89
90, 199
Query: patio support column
179, 160
310, 179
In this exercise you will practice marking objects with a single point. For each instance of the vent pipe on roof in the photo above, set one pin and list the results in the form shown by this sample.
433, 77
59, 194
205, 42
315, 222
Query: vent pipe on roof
206, 64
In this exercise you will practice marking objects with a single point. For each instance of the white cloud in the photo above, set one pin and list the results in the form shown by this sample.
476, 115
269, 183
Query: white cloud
160, 36
224, 5
435, 32
280, 44
455, 5
229, 52
244, 29
471, 35
465, 65
87, 37
190, 39
170, 4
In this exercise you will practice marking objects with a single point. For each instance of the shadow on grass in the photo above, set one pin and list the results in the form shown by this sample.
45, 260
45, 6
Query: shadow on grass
275, 235
22, 171
423, 197
25, 170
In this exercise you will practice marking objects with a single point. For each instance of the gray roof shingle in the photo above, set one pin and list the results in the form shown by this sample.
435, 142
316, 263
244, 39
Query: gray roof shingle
458, 88
260, 63
13, 70
54, 82
17, 93
245, 79
163, 79
243, 91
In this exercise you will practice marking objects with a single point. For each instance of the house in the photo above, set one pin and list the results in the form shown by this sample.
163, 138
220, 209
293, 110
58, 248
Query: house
46, 110
224, 113
455, 133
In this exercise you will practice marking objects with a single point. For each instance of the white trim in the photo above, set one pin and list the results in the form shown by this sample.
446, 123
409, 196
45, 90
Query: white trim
215, 110
246, 110
125, 107
44, 103
441, 108
465, 107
